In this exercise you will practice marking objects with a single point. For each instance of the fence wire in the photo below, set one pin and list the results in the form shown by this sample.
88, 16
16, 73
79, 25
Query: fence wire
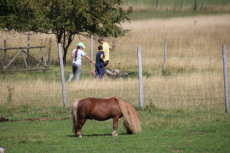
203, 90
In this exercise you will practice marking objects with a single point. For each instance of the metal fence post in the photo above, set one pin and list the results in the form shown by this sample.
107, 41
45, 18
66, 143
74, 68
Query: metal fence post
62, 74
91, 50
165, 51
225, 78
140, 76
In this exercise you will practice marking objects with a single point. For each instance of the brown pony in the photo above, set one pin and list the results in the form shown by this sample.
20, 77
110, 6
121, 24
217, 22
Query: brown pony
104, 109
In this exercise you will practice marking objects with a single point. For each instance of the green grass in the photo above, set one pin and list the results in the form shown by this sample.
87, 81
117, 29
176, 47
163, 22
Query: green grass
163, 134
26, 111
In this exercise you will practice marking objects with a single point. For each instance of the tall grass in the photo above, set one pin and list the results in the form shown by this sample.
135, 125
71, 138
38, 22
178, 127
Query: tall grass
191, 91
192, 80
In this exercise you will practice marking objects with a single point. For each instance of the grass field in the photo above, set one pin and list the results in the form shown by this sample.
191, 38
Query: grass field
163, 131
183, 105
158, 14
211, 5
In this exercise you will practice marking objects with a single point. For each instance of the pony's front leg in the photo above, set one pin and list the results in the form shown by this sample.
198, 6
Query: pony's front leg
115, 125
79, 127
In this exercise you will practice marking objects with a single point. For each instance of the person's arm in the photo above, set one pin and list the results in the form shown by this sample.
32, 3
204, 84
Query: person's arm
110, 47
104, 54
102, 58
89, 59
73, 53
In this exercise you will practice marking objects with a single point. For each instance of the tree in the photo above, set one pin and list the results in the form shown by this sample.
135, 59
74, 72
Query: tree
17, 15
67, 18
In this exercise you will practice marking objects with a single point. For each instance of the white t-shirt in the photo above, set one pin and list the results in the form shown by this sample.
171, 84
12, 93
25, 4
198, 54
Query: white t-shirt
80, 54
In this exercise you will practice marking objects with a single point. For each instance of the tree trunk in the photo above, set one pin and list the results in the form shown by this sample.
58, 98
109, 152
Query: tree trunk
157, 4
66, 39
69, 38
64, 55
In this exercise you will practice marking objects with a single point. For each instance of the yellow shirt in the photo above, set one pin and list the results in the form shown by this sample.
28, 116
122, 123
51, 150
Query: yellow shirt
106, 50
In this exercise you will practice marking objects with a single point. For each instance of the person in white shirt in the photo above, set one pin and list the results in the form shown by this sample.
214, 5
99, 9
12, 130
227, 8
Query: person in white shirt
77, 57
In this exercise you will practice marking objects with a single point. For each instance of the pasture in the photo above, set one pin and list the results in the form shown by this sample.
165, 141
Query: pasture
183, 105
185, 5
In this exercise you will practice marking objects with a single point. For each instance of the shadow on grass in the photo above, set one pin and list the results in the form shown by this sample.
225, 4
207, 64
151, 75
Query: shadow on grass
97, 135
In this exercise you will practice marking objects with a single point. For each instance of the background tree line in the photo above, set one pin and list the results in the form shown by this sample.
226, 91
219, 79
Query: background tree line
64, 18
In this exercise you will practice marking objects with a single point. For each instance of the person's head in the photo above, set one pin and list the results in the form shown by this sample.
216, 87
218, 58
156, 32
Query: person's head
101, 40
100, 48
80, 45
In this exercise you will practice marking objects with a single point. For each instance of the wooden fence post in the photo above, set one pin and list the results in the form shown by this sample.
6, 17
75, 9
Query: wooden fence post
195, 5
225, 78
91, 50
49, 53
62, 74
140, 76
28, 47
5, 49
1, 58
165, 51
157, 4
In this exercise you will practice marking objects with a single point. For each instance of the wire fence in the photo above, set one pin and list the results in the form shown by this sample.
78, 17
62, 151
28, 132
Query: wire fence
199, 88
168, 97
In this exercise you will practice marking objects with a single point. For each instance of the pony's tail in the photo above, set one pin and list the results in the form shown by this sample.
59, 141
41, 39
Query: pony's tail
74, 116
131, 117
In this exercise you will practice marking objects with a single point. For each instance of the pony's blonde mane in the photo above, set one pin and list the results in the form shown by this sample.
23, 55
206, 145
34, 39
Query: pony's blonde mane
74, 116
109, 97
131, 117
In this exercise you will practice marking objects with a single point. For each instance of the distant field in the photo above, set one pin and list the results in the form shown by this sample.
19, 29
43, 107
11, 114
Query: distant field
139, 5
161, 14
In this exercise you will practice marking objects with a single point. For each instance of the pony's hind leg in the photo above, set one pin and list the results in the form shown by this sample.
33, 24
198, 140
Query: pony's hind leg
79, 127
115, 125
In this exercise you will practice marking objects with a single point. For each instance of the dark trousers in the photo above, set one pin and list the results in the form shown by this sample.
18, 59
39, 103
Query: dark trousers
106, 63
99, 70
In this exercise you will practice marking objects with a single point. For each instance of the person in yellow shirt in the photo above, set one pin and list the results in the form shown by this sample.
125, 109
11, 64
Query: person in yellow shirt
106, 49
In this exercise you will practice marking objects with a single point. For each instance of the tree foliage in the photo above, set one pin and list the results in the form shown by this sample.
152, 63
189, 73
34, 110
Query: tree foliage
17, 15
64, 18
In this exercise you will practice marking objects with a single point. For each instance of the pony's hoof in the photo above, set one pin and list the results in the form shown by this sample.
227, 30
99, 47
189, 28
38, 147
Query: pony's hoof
114, 134
80, 136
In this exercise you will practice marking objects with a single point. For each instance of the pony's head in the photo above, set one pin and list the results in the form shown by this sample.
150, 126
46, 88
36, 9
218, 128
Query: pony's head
131, 117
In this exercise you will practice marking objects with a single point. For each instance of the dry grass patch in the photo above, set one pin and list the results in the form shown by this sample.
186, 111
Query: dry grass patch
193, 75
187, 91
